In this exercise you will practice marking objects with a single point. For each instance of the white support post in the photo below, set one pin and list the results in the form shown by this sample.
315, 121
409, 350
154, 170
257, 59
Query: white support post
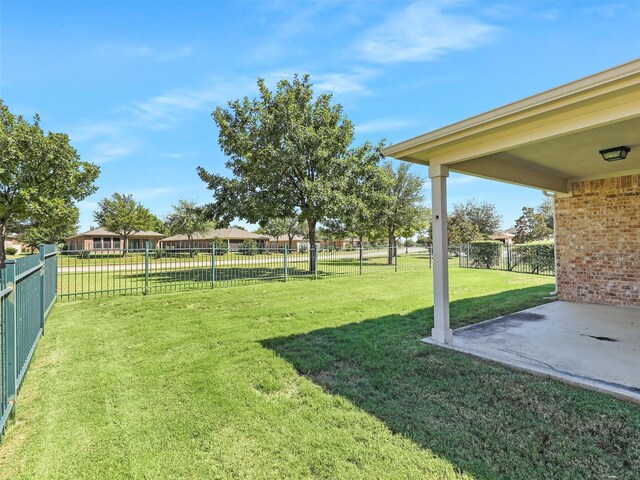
441, 331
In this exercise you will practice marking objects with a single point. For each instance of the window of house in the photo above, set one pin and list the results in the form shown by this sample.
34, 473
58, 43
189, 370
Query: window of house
97, 243
106, 242
116, 243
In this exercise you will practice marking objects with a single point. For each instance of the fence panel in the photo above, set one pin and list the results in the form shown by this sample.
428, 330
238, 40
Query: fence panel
535, 258
27, 293
84, 274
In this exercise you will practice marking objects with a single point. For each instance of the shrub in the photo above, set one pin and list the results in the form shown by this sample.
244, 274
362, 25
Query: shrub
221, 246
193, 252
304, 248
159, 253
84, 254
485, 254
534, 257
10, 250
248, 247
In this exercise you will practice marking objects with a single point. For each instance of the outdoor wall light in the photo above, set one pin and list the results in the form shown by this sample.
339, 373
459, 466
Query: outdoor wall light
615, 153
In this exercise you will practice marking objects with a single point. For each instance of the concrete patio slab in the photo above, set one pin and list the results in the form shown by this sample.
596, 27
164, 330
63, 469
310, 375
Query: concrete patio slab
590, 346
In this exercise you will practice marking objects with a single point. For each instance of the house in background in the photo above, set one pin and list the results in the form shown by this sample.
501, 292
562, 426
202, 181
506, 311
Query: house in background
340, 243
11, 241
283, 240
101, 239
505, 237
233, 236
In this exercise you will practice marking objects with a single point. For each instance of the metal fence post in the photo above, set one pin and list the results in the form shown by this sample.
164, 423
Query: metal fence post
395, 257
43, 286
361, 258
286, 263
315, 262
146, 268
12, 350
213, 265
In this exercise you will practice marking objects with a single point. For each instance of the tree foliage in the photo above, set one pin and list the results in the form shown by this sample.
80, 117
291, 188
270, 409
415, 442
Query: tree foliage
463, 230
483, 215
122, 214
187, 218
531, 226
403, 213
38, 173
289, 152
284, 226
473, 221
58, 223
546, 208
333, 230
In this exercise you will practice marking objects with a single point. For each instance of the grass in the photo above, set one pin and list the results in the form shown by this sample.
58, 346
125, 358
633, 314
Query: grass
303, 380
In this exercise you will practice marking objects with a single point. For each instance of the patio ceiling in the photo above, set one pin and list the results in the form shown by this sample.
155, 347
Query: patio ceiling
546, 141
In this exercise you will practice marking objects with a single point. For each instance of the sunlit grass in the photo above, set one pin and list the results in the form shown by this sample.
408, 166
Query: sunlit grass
307, 379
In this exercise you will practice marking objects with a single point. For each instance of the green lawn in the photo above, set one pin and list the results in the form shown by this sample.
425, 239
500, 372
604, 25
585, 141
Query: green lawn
303, 380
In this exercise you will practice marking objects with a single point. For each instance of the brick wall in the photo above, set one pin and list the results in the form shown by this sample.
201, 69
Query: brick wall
598, 242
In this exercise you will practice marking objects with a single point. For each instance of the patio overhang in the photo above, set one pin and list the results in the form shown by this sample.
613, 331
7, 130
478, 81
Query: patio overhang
548, 141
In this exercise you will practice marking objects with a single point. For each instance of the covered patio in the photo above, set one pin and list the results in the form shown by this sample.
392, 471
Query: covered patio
568, 341
559, 141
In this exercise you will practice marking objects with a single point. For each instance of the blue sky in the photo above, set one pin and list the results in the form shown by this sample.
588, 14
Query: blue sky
134, 83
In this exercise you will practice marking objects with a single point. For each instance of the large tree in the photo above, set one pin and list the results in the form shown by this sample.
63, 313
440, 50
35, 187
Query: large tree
462, 230
58, 223
403, 212
122, 214
366, 212
289, 152
531, 226
279, 227
37, 172
187, 218
483, 215
332, 230
546, 208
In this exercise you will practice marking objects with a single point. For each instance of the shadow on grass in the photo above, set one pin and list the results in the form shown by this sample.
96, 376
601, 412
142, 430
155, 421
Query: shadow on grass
229, 274
487, 420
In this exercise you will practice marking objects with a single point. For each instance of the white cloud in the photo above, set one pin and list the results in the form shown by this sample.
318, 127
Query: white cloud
162, 111
126, 50
349, 82
109, 140
352, 81
423, 31
175, 155
108, 151
382, 125
151, 193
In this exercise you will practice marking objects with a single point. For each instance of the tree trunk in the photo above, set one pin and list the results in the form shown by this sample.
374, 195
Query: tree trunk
125, 245
311, 222
3, 237
291, 241
392, 245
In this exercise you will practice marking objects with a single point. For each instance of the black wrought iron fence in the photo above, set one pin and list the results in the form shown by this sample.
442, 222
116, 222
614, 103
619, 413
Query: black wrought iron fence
537, 258
91, 274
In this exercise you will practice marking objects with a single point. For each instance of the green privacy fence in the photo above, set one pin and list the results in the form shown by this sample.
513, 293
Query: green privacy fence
84, 274
28, 290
